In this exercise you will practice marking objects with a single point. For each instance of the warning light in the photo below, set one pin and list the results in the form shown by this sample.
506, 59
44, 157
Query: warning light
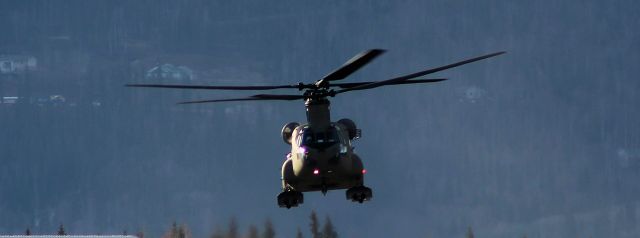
364, 171
316, 171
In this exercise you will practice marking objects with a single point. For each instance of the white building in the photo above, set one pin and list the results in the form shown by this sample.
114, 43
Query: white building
13, 64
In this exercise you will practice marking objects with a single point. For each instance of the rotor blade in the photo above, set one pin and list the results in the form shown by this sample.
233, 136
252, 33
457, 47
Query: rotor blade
179, 86
223, 100
417, 74
353, 65
412, 81
259, 97
278, 96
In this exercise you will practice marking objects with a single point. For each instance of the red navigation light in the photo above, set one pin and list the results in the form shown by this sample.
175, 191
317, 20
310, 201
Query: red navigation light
316, 171
364, 171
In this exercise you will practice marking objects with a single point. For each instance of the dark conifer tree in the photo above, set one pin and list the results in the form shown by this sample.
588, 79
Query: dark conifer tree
61, 231
27, 232
469, 233
233, 229
268, 232
299, 233
328, 231
178, 231
182, 233
315, 233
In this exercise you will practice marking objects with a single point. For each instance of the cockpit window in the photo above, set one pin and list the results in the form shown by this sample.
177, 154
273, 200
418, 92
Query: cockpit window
319, 139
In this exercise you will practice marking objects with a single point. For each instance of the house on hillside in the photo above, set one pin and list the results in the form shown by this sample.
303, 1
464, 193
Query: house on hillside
169, 71
16, 64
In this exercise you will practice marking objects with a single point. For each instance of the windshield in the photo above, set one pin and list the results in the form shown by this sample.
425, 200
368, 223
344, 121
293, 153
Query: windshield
319, 139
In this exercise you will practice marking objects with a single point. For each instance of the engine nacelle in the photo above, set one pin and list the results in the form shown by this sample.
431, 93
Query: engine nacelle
287, 131
351, 128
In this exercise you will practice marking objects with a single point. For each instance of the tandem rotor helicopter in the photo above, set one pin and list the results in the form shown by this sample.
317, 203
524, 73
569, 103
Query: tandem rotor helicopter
322, 156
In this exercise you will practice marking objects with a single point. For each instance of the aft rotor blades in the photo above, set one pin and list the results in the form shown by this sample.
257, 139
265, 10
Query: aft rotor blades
351, 66
322, 88
404, 78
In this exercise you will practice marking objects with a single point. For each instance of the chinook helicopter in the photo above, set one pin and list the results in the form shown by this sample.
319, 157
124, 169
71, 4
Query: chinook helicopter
322, 156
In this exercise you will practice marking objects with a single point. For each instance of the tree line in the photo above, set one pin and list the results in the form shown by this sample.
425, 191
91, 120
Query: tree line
316, 230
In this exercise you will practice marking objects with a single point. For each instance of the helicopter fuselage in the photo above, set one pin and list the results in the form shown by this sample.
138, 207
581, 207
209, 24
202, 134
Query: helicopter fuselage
321, 166
322, 156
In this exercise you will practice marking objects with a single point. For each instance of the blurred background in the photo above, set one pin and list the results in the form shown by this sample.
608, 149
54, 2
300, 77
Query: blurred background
543, 141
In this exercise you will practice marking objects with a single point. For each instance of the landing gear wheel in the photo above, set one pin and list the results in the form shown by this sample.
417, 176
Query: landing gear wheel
290, 199
359, 194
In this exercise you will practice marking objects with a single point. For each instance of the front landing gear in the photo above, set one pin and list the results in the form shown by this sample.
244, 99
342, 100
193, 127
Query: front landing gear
359, 194
290, 199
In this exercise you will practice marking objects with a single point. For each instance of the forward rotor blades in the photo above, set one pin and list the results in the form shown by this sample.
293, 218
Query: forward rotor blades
412, 81
281, 97
353, 65
266, 87
259, 97
417, 74
207, 87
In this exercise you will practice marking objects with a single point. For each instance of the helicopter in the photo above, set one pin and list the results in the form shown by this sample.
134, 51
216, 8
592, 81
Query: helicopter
322, 155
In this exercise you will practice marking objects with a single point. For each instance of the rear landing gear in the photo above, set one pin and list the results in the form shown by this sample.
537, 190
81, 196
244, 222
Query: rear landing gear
359, 194
290, 199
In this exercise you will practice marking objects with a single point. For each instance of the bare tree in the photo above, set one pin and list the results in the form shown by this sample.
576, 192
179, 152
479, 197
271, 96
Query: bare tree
217, 233
173, 232
253, 232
